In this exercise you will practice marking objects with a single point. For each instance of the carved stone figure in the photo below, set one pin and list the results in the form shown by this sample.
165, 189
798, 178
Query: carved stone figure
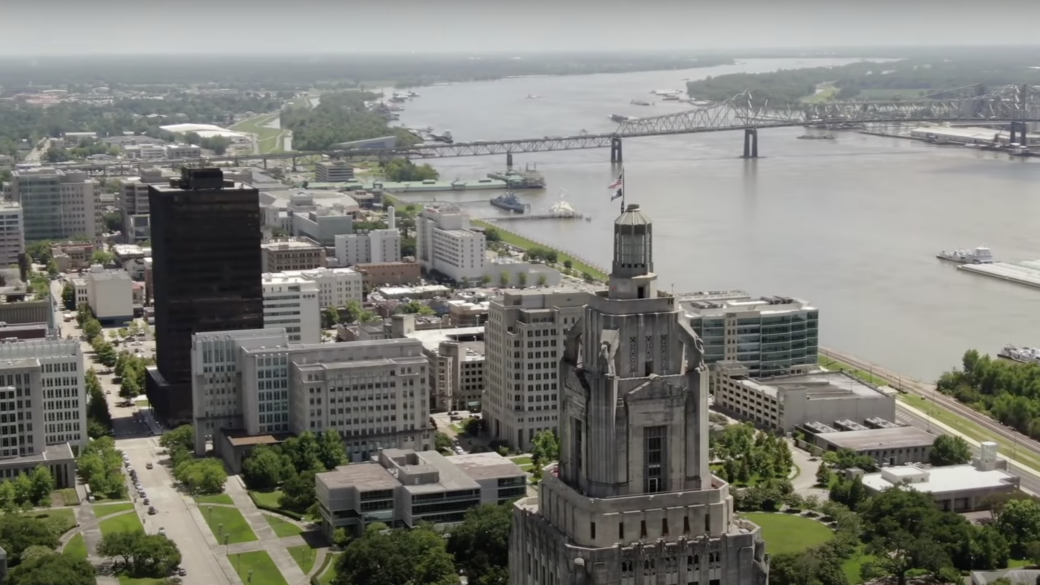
696, 361
604, 357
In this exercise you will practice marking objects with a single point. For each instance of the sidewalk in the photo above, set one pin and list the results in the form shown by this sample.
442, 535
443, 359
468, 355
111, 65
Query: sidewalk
270, 542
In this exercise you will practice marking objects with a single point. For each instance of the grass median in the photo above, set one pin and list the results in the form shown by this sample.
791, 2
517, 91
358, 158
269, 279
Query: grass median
227, 524
257, 568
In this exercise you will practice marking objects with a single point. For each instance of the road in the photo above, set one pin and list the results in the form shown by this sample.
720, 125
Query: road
36, 153
928, 391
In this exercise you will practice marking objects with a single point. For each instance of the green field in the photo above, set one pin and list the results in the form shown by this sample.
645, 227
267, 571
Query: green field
526, 244
128, 580
61, 519
257, 568
304, 556
267, 499
854, 565
76, 547
102, 510
788, 533
269, 140
121, 523
824, 94
891, 94
835, 365
327, 572
217, 499
283, 528
227, 521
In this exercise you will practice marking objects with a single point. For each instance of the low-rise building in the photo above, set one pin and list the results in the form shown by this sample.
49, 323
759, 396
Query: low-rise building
72, 256
413, 292
183, 151
389, 274
955, 488
132, 258
787, 402
43, 382
334, 172
110, 294
889, 446
373, 246
291, 303
456, 359
291, 254
403, 488
336, 286
509, 272
462, 313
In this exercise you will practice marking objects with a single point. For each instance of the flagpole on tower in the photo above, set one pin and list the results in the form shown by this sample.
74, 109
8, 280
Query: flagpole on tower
622, 189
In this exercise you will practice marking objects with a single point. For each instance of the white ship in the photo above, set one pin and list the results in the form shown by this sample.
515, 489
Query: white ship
980, 255
1026, 355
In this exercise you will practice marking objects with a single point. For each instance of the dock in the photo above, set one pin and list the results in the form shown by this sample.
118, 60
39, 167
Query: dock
535, 216
1026, 273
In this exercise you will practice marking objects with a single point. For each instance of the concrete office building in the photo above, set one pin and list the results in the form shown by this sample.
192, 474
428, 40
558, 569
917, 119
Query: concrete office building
132, 201
206, 275
183, 152
893, 445
446, 243
525, 335
457, 363
57, 205
371, 392
633, 489
291, 303
12, 233
334, 172
402, 488
72, 256
336, 286
768, 335
786, 402
43, 390
291, 254
955, 488
374, 246
110, 294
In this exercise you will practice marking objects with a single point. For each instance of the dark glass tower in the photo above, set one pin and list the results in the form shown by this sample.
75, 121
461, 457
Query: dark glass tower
206, 273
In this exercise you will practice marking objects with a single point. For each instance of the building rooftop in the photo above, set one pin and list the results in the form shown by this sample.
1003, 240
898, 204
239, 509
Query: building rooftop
449, 477
62, 452
431, 339
486, 465
97, 273
365, 477
938, 480
888, 438
720, 303
291, 244
819, 385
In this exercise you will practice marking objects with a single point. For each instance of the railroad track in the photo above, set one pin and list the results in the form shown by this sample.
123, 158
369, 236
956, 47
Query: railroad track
928, 391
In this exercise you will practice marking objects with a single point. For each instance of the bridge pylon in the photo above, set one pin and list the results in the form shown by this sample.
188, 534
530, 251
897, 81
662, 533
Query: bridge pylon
615, 150
509, 161
1018, 130
750, 143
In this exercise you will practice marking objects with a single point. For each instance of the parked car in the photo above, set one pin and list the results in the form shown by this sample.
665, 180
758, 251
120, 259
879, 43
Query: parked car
148, 465
162, 531
152, 511
182, 572
147, 502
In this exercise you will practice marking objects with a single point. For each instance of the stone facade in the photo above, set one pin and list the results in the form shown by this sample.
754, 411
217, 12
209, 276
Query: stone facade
632, 501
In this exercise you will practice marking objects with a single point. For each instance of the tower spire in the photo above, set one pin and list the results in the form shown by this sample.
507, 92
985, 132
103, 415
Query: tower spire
632, 273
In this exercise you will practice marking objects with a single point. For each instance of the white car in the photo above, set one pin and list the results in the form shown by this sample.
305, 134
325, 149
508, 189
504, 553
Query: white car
162, 531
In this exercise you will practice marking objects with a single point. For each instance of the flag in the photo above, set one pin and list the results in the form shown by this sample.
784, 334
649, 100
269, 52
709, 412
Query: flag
617, 194
618, 182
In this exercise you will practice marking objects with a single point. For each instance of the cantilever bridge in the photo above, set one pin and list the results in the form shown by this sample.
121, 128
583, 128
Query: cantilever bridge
1012, 105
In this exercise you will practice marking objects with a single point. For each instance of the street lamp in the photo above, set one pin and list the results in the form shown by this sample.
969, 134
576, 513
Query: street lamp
250, 575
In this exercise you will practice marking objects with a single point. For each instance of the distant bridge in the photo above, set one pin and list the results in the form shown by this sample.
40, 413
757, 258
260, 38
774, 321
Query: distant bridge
1012, 105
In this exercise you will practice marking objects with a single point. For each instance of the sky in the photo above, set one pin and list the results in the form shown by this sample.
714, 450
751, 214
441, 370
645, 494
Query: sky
242, 27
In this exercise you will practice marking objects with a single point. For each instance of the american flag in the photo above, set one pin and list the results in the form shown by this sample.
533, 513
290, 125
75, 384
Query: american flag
618, 182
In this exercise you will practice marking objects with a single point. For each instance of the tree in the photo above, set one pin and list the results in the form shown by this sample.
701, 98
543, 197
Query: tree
950, 450
329, 318
1019, 524
481, 544
402, 169
298, 492
114, 220
545, 448
34, 552
266, 468
521, 278
201, 476
53, 569
485, 279
442, 442
42, 484
303, 452
331, 450
18, 533
128, 387
92, 329
503, 279
901, 552
393, 557
568, 264
182, 436
492, 235
415, 308
823, 475
102, 257
118, 545
68, 296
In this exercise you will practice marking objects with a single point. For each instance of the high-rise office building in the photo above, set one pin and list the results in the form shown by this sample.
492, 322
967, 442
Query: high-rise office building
12, 234
57, 205
632, 499
524, 341
206, 274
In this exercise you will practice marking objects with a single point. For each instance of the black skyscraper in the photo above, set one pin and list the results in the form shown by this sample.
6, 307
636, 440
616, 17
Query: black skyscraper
206, 274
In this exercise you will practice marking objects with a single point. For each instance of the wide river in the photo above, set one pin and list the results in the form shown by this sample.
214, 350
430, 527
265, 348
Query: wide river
851, 225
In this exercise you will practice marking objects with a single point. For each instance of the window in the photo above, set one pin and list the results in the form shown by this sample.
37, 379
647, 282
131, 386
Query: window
576, 446
653, 459
621, 531
592, 530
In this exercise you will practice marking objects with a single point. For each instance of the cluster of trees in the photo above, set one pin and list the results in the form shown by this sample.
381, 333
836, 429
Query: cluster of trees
27, 490
142, 555
201, 476
100, 465
57, 154
841, 460
99, 419
820, 565
131, 370
292, 466
218, 144
1008, 391
750, 456
90, 326
545, 448
415, 308
339, 117
402, 169
354, 312
905, 78
43, 566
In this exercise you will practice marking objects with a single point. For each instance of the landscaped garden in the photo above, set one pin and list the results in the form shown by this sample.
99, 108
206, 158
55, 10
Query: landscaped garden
790, 533
227, 524
256, 568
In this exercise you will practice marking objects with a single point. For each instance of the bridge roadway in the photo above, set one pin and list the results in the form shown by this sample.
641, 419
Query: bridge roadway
1011, 105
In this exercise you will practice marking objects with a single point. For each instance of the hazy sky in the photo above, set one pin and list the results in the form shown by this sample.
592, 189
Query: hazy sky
77, 27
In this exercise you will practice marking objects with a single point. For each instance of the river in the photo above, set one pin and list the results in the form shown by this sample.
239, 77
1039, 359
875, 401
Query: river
851, 225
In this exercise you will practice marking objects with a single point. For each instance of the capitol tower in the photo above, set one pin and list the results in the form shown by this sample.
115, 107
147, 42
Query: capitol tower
632, 501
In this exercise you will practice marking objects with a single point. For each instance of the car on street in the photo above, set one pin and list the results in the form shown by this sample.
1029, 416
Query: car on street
147, 502
152, 511
148, 465
162, 531
182, 572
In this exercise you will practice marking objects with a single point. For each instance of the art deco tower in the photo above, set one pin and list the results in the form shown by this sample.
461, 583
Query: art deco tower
632, 501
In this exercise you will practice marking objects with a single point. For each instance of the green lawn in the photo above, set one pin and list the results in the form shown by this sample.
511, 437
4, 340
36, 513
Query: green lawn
127, 580
835, 365
304, 556
526, 244
259, 563
521, 460
327, 572
268, 499
102, 510
76, 547
270, 140
282, 528
61, 519
217, 499
891, 94
852, 567
228, 521
788, 533
121, 523
825, 94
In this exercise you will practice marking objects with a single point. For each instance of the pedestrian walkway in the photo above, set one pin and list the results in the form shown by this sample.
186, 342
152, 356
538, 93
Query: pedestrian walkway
267, 538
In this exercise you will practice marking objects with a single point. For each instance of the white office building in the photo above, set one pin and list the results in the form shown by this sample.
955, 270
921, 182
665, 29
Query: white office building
372, 247
446, 243
183, 151
336, 286
42, 396
110, 294
524, 342
257, 382
334, 172
12, 233
57, 205
291, 303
